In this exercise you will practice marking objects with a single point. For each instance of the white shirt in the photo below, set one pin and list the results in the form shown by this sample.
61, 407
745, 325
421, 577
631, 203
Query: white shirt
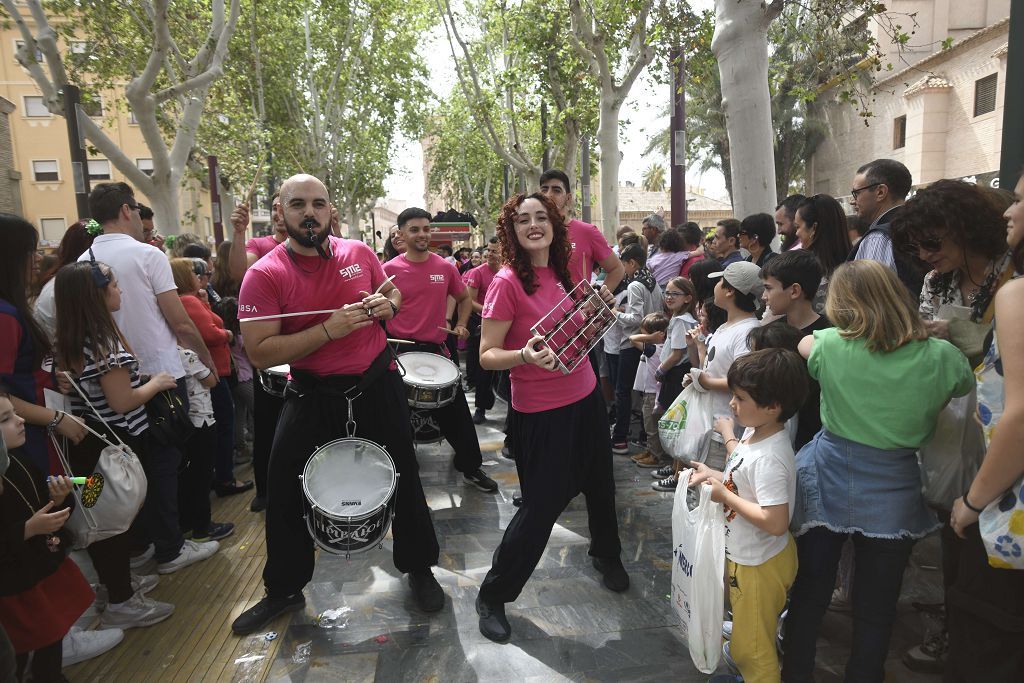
675, 336
142, 272
200, 404
45, 312
763, 473
728, 343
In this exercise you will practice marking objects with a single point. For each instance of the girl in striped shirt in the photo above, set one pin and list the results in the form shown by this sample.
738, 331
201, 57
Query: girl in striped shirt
92, 347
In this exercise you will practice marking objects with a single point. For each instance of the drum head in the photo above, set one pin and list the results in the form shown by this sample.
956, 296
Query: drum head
428, 369
282, 370
349, 477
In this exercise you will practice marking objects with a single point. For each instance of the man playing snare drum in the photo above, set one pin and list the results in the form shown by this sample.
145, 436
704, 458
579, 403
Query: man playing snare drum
329, 354
427, 281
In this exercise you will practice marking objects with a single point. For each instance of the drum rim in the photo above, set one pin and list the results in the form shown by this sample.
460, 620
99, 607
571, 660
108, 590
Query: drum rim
391, 490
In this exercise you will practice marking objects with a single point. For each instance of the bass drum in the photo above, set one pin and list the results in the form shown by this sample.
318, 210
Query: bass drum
424, 427
349, 488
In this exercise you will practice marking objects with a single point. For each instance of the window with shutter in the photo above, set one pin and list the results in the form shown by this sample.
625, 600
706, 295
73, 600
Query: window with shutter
899, 132
985, 95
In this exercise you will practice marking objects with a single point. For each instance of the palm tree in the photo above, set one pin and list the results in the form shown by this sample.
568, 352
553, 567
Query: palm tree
654, 178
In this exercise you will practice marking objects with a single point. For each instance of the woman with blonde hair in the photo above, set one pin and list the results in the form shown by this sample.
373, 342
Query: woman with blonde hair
883, 382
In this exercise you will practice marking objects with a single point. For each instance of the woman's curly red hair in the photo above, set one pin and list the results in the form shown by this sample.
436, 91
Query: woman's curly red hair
517, 257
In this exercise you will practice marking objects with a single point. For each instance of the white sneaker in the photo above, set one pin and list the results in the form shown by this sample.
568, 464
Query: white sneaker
191, 553
138, 610
79, 645
140, 560
140, 584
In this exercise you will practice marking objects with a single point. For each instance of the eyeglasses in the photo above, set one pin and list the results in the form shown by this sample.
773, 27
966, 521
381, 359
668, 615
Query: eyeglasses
133, 207
929, 244
857, 191
672, 295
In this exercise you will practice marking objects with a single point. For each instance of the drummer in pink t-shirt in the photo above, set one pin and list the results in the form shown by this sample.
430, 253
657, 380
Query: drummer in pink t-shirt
343, 378
477, 282
559, 425
426, 281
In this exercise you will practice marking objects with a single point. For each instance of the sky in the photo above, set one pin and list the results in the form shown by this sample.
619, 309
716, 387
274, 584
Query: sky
643, 110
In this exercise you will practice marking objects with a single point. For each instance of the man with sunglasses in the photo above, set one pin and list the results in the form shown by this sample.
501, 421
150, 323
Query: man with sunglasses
880, 188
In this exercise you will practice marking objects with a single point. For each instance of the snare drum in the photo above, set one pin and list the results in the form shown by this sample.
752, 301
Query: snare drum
275, 380
431, 380
349, 486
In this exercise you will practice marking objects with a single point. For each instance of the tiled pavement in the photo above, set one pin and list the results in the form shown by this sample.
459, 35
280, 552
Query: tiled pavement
360, 623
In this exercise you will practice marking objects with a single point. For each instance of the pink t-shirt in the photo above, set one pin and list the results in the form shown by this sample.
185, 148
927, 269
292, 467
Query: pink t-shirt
284, 282
425, 288
587, 246
261, 246
534, 389
479, 278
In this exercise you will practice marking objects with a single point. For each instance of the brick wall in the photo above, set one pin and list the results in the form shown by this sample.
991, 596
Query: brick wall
10, 188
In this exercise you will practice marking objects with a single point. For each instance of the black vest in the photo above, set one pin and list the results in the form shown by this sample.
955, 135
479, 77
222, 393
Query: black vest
910, 269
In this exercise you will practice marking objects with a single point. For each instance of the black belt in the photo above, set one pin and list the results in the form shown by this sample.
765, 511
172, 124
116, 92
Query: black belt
345, 386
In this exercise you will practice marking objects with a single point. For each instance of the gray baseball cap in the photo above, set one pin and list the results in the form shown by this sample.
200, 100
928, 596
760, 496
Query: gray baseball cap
743, 276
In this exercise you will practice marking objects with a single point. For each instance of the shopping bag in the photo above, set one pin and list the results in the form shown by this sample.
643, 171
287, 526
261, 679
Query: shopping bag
698, 571
685, 428
953, 455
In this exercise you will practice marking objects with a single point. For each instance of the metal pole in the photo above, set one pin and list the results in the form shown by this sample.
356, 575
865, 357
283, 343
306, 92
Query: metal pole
218, 220
1012, 155
79, 161
585, 179
678, 146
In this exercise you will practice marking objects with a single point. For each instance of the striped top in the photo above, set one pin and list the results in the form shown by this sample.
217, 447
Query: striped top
135, 421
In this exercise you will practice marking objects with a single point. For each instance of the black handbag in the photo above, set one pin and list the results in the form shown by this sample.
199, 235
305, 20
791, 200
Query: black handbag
168, 419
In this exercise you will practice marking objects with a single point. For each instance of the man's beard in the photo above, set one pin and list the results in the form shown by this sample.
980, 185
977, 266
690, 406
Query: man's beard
305, 236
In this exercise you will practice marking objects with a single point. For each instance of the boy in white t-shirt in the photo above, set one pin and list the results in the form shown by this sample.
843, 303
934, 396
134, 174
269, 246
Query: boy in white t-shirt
758, 488
650, 340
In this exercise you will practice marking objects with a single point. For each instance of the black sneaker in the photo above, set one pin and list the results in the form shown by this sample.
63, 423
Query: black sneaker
493, 622
426, 590
481, 481
517, 499
667, 484
664, 471
215, 532
479, 416
615, 576
929, 656
265, 611
258, 504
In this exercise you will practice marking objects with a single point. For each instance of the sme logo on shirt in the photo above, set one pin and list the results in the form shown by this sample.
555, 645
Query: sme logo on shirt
488, 308
572, 245
349, 272
437, 278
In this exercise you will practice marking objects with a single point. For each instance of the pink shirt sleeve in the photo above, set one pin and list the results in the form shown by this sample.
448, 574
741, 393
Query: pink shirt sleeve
500, 303
599, 245
455, 284
472, 278
258, 295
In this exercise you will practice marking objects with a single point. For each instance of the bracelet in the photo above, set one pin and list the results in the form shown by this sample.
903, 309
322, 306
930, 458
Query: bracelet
522, 354
394, 308
326, 332
732, 439
968, 503
57, 417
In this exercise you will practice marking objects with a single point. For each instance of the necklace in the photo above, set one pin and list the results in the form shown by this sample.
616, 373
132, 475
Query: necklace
52, 541
291, 255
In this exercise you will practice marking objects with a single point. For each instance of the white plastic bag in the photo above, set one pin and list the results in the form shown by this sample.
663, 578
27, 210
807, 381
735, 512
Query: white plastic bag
698, 571
953, 455
685, 428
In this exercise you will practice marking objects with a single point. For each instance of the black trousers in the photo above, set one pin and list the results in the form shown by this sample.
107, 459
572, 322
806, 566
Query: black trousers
195, 478
984, 613
559, 453
455, 423
266, 410
46, 664
481, 379
311, 420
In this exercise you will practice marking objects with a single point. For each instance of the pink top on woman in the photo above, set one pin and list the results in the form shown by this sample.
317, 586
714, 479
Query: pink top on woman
534, 389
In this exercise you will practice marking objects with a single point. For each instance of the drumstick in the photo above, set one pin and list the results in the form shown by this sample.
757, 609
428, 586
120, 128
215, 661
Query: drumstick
400, 341
291, 315
445, 329
252, 187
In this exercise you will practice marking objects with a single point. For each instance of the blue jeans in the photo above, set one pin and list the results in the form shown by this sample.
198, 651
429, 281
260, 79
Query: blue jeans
878, 574
224, 414
629, 360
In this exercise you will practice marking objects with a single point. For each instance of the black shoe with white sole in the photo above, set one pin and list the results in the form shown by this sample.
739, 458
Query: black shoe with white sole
481, 481
265, 611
